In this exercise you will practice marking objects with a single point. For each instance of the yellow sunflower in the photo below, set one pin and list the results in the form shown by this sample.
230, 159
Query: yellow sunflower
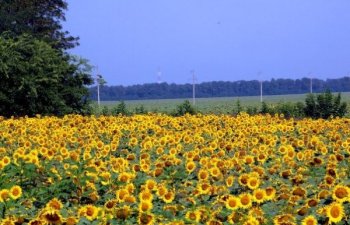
251, 221
194, 216
253, 183
54, 204
4, 195
89, 211
145, 219
245, 200
229, 181
51, 216
309, 220
335, 212
270, 193
341, 193
15, 192
145, 206
168, 197
259, 195
190, 166
232, 202
71, 221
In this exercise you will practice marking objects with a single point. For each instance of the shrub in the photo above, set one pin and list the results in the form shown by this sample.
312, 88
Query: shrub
184, 108
289, 109
267, 109
252, 110
140, 110
324, 105
105, 111
238, 107
120, 109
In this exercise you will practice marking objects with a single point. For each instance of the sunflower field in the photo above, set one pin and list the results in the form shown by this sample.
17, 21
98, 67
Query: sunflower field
158, 169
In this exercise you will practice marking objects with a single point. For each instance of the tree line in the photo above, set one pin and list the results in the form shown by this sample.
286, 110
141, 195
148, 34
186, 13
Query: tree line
219, 89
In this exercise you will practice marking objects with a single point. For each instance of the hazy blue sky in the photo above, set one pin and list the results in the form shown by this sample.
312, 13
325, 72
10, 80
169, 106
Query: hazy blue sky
220, 39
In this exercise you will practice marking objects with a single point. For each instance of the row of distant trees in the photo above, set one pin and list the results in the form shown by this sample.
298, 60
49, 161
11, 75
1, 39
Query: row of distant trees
322, 105
37, 74
220, 89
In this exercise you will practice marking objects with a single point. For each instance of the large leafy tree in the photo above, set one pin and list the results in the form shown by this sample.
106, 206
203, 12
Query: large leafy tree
39, 18
38, 79
37, 75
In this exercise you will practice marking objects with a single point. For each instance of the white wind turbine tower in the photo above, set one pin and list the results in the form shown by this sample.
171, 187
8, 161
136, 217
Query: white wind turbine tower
261, 86
194, 79
159, 76
310, 76
98, 78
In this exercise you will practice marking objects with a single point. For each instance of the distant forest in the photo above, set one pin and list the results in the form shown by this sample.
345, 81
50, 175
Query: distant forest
219, 89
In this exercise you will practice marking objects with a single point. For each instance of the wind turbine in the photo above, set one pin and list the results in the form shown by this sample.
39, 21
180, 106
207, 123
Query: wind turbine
261, 86
100, 81
159, 76
310, 76
194, 79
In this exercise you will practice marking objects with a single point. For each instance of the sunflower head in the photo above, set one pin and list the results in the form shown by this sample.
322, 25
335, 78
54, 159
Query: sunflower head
341, 193
123, 212
4, 195
51, 216
251, 221
15, 192
54, 204
146, 218
309, 220
335, 212
253, 183
8, 221
71, 221
190, 166
229, 181
36, 221
145, 206
168, 197
145, 195
270, 193
193, 216
232, 203
245, 200
151, 184
259, 195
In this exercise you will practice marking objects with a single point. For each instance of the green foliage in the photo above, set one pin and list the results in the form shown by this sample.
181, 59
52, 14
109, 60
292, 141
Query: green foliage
105, 111
140, 110
184, 108
252, 110
324, 105
120, 109
310, 106
238, 107
38, 79
339, 107
266, 109
39, 18
289, 109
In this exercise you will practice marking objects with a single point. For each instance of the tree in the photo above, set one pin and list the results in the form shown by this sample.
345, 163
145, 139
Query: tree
238, 107
184, 108
39, 18
38, 79
324, 105
310, 109
339, 108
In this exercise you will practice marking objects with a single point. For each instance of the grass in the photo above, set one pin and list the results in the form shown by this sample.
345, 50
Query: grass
212, 105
